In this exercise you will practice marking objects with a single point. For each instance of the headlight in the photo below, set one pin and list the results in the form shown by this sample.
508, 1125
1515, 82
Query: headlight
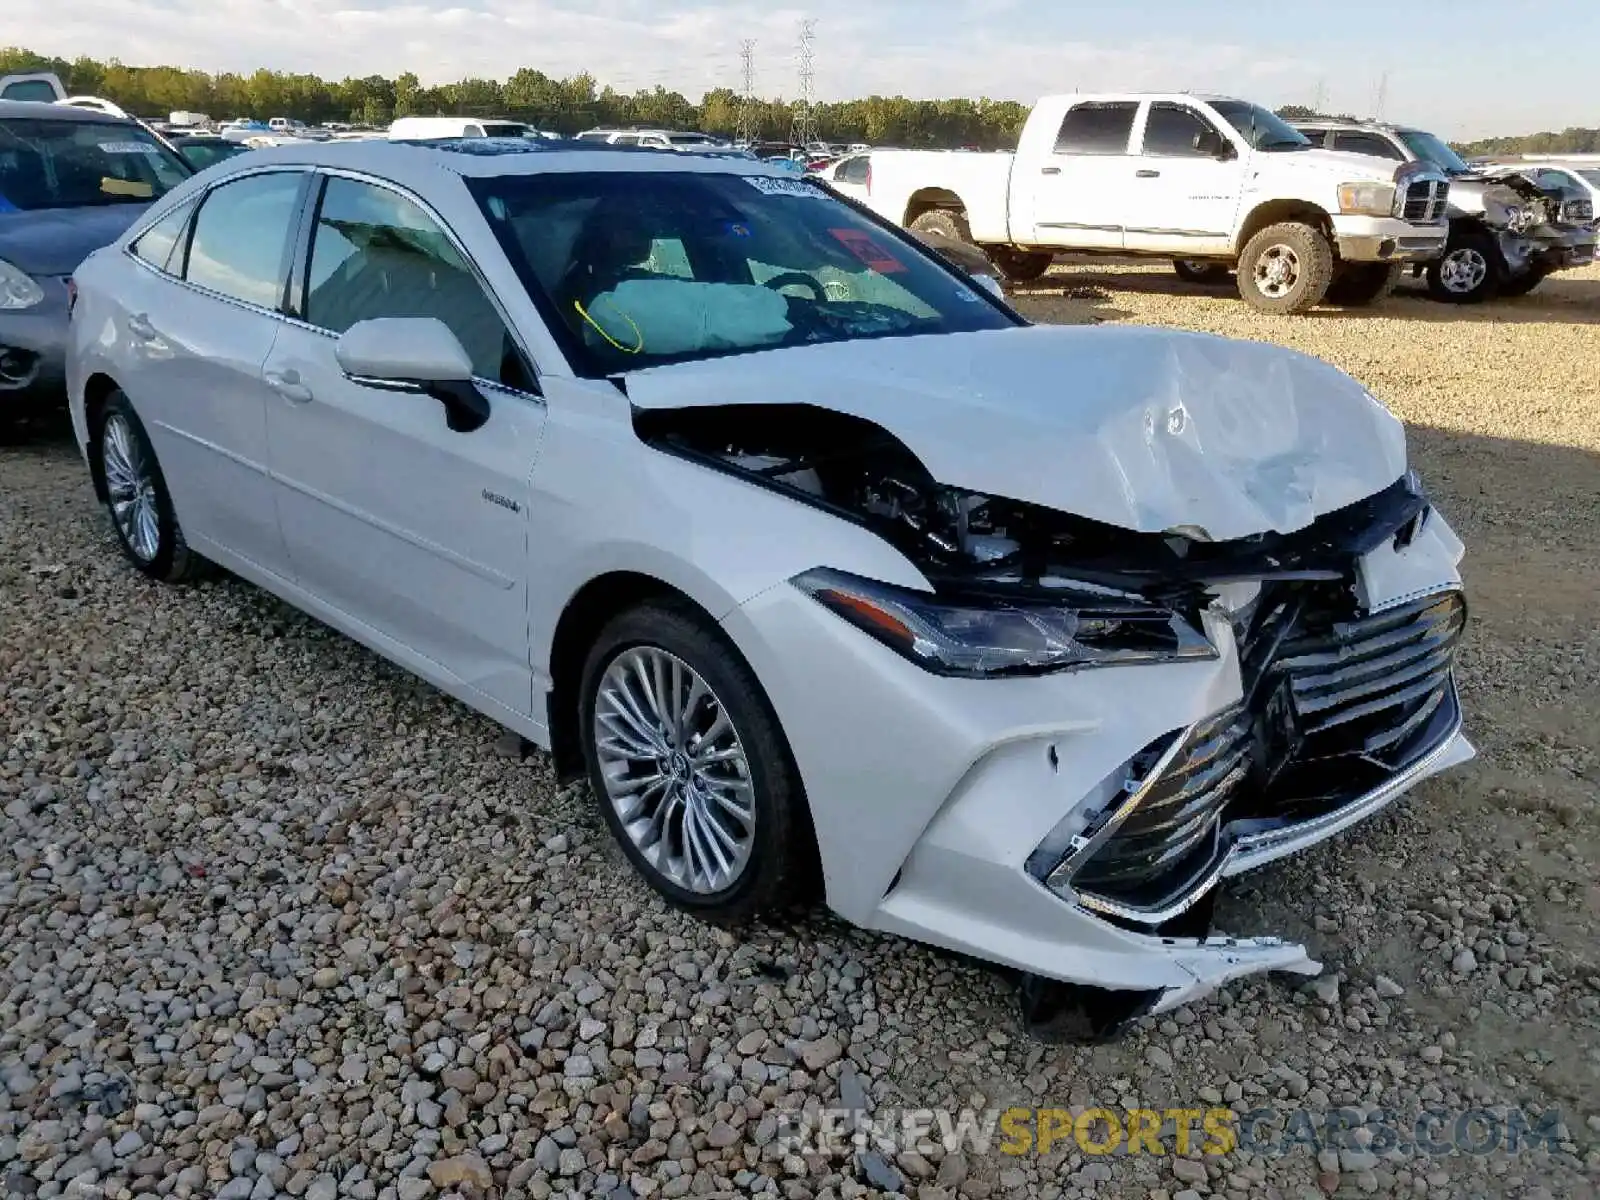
17, 290
1367, 199
987, 635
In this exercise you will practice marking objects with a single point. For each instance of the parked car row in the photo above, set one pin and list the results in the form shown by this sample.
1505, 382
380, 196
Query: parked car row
751, 510
1326, 211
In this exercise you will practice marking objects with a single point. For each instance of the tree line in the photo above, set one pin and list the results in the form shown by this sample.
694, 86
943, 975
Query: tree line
580, 102
563, 105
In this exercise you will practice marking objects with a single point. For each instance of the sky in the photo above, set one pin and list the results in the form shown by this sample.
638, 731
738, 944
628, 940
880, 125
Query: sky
1464, 68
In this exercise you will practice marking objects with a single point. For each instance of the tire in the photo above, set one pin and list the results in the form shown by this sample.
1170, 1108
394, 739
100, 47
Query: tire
1356, 285
1286, 268
1470, 271
138, 501
1207, 274
946, 223
1521, 285
774, 841
1020, 266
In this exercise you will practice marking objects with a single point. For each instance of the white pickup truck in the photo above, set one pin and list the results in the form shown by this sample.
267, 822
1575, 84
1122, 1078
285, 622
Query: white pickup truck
1212, 183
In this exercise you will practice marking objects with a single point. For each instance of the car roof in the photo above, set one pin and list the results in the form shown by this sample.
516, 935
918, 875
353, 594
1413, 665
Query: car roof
479, 157
58, 112
1366, 126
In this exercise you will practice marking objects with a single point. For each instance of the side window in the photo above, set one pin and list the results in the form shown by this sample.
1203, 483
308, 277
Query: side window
1367, 143
374, 253
240, 237
1173, 130
625, 139
1317, 137
1097, 128
162, 244
472, 131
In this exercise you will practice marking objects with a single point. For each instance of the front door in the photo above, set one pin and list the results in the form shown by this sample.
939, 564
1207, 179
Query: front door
417, 532
1186, 186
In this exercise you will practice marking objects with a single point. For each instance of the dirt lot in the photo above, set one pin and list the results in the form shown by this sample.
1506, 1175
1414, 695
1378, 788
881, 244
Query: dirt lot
276, 919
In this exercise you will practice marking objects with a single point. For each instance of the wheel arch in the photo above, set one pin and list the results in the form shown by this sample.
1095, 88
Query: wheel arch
926, 199
1272, 212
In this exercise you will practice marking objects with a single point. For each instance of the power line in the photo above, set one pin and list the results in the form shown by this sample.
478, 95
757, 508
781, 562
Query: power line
803, 129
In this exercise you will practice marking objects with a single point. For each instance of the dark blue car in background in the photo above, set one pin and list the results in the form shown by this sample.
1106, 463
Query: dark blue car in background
71, 181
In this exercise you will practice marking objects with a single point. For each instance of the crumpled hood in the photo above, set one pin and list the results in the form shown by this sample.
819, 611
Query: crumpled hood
1146, 429
53, 241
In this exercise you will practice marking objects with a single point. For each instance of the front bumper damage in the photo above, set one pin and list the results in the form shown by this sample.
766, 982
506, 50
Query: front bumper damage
978, 825
33, 352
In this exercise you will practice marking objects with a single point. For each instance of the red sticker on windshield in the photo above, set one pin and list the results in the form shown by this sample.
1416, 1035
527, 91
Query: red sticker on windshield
865, 247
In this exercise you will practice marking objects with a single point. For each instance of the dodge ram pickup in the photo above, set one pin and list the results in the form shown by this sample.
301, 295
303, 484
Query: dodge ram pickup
1209, 182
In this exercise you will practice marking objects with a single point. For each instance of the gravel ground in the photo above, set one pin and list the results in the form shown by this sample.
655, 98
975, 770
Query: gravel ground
277, 919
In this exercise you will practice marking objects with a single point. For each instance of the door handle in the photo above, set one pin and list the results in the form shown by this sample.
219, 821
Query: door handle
1147, 174
1049, 170
287, 384
139, 325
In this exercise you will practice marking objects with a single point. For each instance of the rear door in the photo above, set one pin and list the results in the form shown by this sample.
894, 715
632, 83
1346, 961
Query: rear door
1077, 195
415, 531
1185, 188
200, 319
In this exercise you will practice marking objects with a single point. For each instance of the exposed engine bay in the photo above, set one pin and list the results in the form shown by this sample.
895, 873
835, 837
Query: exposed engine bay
966, 542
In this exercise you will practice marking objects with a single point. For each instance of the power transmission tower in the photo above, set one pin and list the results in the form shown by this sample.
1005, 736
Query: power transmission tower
747, 130
1321, 97
1383, 93
803, 129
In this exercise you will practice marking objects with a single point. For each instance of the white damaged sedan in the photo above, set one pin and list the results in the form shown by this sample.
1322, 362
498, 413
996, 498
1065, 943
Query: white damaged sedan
818, 559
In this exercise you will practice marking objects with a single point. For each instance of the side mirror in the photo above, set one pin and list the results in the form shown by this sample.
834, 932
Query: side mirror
418, 352
991, 285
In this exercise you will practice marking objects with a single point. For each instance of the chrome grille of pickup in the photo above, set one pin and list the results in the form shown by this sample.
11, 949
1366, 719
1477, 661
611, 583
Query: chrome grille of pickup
1426, 200
1577, 212
1334, 705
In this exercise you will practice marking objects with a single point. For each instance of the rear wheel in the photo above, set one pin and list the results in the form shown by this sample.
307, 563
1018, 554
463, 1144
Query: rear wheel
1470, 271
1286, 268
690, 766
1194, 270
1358, 284
137, 498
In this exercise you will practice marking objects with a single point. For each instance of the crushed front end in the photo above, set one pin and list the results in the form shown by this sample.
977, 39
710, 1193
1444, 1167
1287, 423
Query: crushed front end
1537, 229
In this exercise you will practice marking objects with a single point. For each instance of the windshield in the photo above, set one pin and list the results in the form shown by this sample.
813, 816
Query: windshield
47, 163
1430, 149
497, 129
1261, 127
209, 152
1592, 176
638, 269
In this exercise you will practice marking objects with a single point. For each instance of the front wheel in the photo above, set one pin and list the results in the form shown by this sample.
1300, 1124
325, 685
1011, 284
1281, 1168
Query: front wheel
1020, 266
1207, 274
137, 498
1470, 270
1286, 268
690, 766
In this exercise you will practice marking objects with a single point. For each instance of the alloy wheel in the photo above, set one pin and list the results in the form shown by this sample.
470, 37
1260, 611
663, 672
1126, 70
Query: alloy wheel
1277, 270
1463, 270
675, 770
130, 488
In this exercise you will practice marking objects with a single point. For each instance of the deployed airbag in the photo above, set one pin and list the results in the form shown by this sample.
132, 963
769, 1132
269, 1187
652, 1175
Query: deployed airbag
681, 316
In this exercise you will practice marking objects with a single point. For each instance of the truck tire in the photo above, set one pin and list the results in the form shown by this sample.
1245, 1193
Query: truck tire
1286, 268
945, 222
1356, 285
1207, 274
1020, 266
1470, 271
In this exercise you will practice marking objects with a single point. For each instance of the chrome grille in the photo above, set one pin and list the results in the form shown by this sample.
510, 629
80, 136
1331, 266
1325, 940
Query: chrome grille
1333, 707
1177, 816
1363, 686
1577, 212
1426, 201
